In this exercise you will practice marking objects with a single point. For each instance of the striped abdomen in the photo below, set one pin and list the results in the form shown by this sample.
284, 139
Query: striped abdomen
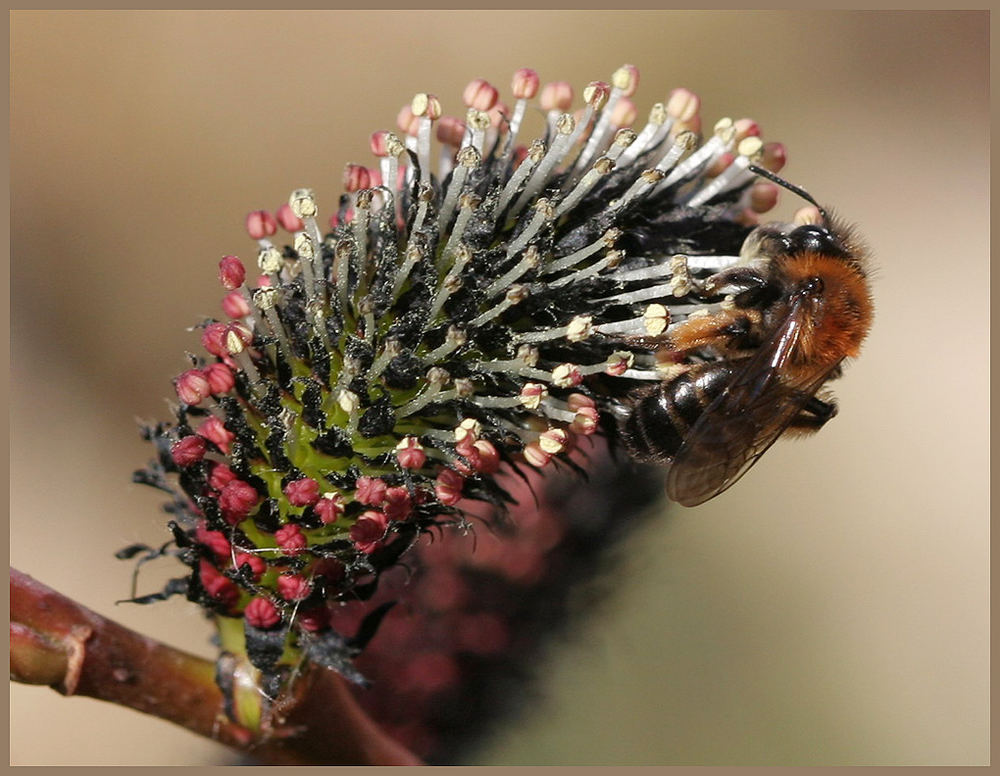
662, 416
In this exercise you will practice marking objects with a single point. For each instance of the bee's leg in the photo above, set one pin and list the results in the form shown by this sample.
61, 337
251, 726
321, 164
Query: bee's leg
725, 331
733, 280
813, 416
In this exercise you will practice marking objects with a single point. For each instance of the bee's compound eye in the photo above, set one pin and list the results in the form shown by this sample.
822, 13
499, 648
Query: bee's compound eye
815, 239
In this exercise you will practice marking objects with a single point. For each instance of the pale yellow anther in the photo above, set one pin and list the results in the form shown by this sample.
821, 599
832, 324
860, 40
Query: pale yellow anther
565, 124
686, 140
624, 138
409, 443
456, 336
532, 394
393, 145
656, 319
579, 328
469, 201
724, 129
468, 157
234, 343
652, 176
477, 119
603, 166
527, 355
545, 208
658, 113
565, 375
303, 203
468, 428
751, 147
624, 78
438, 376
270, 260
348, 401
265, 298
595, 94
304, 246
426, 105
516, 293
553, 441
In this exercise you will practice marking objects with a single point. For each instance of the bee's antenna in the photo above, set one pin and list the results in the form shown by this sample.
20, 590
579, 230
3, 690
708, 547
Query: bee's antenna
790, 186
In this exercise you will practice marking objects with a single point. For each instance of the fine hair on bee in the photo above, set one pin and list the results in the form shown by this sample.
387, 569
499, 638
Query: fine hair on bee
794, 306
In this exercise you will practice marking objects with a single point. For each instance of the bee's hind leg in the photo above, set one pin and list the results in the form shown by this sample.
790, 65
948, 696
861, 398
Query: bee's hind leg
813, 416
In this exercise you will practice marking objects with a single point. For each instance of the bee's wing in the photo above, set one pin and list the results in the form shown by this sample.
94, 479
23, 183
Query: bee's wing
742, 422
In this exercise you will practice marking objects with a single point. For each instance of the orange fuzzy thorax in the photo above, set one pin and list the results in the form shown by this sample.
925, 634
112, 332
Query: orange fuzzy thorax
843, 315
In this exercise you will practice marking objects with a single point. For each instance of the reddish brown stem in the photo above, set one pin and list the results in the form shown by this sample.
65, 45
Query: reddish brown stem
59, 643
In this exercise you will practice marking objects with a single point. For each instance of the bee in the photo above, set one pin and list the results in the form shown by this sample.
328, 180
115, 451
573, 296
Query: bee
801, 305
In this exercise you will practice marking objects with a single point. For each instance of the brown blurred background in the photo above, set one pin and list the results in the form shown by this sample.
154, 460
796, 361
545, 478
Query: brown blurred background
830, 609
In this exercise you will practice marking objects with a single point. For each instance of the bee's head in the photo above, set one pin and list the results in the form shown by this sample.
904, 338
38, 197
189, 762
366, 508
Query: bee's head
812, 238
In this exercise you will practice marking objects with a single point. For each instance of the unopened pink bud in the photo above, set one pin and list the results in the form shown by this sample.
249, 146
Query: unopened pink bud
683, 104
406, 121
369, 490
534, 455
220, 378
293, 587
448, 487
213, 430
356, 178
220, 476
577, 400
236, 500
260, 613
585, 421
303, 492
557, 95
261, 224
290, 538
213, 339
288, 220
489, 459
192, 386
188, 450
256, 563
498, 114
330, 508
774, 157
215, 541
596, 93
524, 84
553, 441
624, 113
450, 131
232, 273
378, 142
367, 533
216, 585
410, 453
398, 503
234, 304
479, 94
